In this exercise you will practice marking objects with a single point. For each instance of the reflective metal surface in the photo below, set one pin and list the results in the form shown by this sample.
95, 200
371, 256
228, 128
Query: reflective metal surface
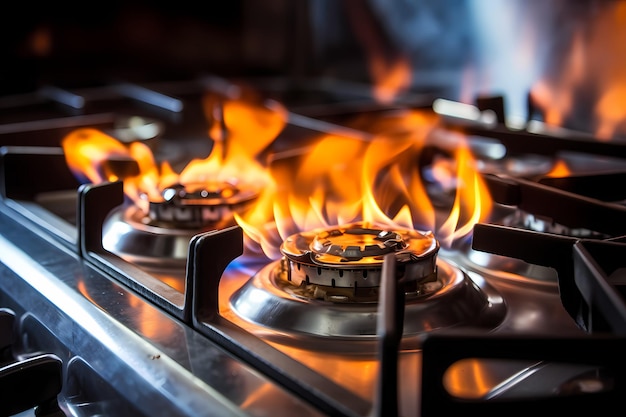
274, 303
520, 305
122, 355
127, 235
120, 350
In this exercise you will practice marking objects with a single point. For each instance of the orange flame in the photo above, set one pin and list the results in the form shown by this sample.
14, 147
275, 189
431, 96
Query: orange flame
390, 78
471, 201
390, 69
594, 71
342, 180
246, 129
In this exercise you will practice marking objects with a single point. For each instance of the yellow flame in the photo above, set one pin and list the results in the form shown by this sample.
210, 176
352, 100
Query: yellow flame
249, 128
471, 201
343, 179
87, 151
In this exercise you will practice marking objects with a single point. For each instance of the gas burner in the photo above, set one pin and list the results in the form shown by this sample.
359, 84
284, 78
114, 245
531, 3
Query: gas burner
351, 257
193, 206
161, 237
327, 285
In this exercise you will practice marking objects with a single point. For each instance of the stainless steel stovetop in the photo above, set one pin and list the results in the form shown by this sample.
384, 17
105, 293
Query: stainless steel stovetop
218, 335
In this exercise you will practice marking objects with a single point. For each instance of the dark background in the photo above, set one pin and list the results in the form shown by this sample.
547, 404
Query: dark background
79, 43
463, 47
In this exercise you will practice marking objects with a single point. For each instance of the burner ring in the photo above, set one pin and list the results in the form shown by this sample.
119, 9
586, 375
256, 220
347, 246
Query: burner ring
340, 243
351, 256
284, 313
197, 205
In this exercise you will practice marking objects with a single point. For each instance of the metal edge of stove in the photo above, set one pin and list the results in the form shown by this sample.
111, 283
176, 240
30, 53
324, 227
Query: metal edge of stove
14, 167
79, 237
94, 204
174, 372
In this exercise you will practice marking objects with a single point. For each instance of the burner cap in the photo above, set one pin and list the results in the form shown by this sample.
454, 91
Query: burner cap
354, 244
197, 205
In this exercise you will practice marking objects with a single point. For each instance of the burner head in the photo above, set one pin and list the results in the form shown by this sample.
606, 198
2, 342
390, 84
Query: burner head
199, 205
351, 256
161, 238
327, 285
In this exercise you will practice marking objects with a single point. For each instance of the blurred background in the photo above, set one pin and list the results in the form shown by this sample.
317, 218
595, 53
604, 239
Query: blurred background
457, 49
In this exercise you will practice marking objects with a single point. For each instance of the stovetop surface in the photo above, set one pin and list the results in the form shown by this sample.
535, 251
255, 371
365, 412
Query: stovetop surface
126, 355
140, 360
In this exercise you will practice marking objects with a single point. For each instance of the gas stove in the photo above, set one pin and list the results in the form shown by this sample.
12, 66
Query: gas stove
179, 298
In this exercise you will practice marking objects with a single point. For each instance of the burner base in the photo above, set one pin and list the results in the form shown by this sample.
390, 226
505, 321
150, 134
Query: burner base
267, 300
